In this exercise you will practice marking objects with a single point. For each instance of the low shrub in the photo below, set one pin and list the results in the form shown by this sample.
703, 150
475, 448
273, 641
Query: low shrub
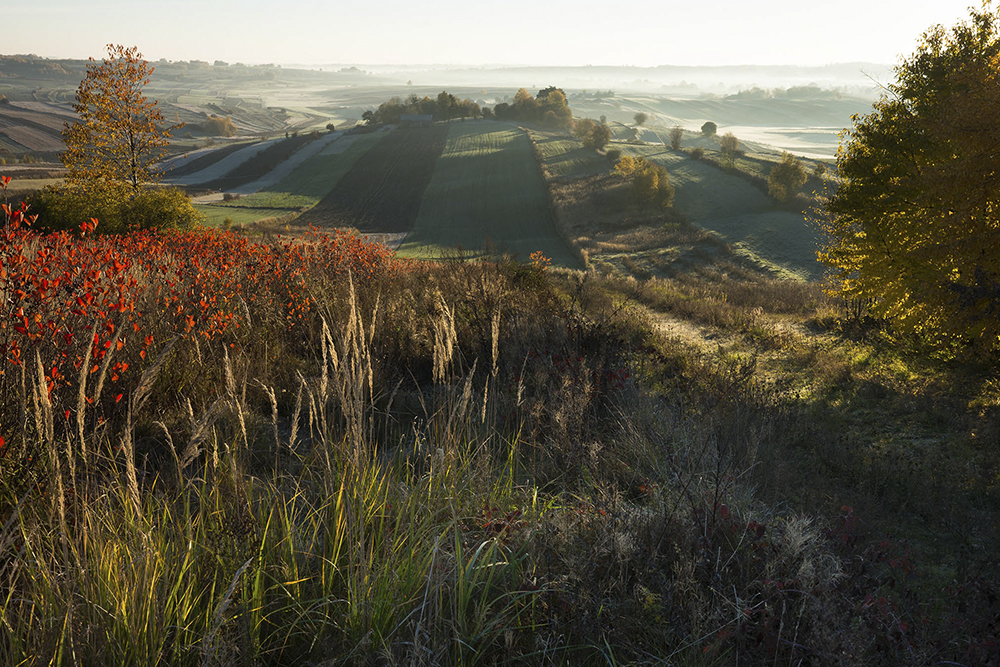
65, 207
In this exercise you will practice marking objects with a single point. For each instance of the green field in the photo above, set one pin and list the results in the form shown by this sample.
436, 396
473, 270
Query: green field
215, 216
568, 158
743, 216
486, 188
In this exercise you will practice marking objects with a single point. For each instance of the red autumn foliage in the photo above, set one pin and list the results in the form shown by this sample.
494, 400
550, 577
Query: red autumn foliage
69, 300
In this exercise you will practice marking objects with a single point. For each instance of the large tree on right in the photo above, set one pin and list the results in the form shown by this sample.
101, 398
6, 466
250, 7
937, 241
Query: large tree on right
914, 227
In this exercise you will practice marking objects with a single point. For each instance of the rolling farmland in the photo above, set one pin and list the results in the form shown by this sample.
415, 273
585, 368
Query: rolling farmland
486, 188
301, 189
306, 185
382, 191
568, 158
739, 213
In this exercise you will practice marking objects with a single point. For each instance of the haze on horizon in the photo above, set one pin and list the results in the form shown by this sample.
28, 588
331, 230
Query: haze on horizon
517, 32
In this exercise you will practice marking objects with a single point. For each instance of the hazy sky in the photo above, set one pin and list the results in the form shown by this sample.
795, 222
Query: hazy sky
477, 32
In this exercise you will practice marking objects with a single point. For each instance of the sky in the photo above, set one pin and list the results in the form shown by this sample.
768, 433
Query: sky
477, 33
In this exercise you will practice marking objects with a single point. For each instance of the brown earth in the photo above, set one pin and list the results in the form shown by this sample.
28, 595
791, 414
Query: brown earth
382, 191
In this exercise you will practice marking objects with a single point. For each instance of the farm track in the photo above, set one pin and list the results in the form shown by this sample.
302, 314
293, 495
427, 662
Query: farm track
382, 192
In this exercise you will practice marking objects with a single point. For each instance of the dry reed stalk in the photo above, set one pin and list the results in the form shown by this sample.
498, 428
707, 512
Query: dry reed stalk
44, 419
330, 359
459, 412
235, 400
296, 413
218, 617
136, 402
353, 376
312, 409
272, 398
131, 479
445, 338
198, 434
105, 364
81, 403
173, 450
43, 406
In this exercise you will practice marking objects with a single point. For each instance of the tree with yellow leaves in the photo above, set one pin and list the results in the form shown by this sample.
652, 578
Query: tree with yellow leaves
915, 225
121, 133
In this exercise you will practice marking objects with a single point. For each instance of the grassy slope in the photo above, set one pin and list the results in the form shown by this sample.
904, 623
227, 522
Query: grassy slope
486, 187
568, 158
741, 214
305, 186
215, 216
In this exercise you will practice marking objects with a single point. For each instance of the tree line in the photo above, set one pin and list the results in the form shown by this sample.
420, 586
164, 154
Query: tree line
444, 107
548, 108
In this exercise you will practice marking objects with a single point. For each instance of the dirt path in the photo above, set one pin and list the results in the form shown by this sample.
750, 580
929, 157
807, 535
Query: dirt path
706, 340
709, 340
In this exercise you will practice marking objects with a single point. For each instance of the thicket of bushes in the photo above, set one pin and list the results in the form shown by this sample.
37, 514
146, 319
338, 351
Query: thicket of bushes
117, 209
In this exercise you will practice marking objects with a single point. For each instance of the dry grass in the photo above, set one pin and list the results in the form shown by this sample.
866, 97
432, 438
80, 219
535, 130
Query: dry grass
489, 462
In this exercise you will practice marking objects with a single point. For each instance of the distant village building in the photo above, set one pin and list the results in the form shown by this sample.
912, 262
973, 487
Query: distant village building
416, 120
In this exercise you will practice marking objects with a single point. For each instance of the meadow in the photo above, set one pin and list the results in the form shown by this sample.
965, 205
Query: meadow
732, 205
224, 451
743, 216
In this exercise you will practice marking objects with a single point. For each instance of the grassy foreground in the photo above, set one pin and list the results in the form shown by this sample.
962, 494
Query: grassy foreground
224, 452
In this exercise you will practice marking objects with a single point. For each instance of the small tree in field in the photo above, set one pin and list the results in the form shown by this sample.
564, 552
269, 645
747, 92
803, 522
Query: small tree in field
640, 118
121, 133
729, 144
676, 135
786, 178
219, 126
709, 129
583, 128
599, 137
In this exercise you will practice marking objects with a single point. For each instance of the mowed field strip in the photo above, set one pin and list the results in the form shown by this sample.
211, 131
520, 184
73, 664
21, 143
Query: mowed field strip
486, 188
223, 166
568, 158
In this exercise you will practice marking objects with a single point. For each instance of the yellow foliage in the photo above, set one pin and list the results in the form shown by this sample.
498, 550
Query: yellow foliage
121, 133
915, 224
